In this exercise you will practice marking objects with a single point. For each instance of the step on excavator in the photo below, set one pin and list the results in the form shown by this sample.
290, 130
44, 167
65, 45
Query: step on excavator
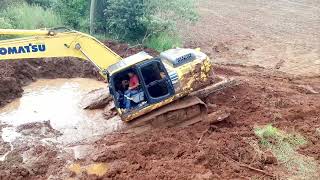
168, 84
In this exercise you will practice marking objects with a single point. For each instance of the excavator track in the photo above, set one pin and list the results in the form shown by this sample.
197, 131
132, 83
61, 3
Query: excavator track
188, 109
182, 112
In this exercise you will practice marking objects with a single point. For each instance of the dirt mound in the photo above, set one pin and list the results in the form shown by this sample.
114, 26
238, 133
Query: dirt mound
15, 74
162, 154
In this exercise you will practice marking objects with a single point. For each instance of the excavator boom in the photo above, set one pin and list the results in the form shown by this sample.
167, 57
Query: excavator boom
22, 32
48, 43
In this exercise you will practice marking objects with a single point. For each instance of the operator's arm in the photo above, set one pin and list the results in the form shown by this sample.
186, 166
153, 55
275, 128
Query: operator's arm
61, 44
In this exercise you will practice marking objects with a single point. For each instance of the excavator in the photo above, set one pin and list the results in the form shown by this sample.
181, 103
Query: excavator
168, 84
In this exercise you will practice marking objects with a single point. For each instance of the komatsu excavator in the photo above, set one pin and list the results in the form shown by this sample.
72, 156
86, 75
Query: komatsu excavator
165, 82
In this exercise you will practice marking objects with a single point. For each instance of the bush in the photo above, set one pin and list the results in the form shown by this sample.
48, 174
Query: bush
123, 19
162, 42
75, 13
139, 20
5, 24
24, 16
5, 3
42, 3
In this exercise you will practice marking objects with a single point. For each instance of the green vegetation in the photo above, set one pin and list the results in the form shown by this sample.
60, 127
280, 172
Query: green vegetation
161, 42
284, 146
43, 3
75, 13
149, 22
26, 16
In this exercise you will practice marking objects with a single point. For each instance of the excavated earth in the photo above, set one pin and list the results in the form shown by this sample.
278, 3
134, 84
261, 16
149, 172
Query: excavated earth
279, 35
201, 151
219, 151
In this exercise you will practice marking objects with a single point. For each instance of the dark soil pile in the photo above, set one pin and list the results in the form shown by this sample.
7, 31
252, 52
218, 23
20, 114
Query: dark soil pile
14, 74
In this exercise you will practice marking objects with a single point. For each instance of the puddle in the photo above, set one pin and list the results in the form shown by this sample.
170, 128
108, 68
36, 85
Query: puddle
57, 101
9, 134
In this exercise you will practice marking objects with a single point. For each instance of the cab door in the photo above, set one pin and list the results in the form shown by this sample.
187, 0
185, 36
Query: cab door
155, 81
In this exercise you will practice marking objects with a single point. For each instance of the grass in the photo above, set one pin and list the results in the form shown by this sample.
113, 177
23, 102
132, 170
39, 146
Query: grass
24, 16
163, 42
284, 146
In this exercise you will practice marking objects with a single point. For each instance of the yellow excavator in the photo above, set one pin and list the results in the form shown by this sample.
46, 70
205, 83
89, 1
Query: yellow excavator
165, 82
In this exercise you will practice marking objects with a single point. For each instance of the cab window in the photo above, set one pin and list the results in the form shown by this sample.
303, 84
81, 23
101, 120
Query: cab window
155, 79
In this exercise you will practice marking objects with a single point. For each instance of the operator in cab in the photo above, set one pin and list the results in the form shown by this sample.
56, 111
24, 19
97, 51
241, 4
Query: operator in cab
132, 90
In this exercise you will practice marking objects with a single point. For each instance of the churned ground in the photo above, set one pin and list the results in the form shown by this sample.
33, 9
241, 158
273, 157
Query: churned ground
271, 126
277, 34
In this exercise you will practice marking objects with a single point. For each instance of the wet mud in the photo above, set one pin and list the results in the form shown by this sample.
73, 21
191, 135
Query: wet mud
225, 150
222, 150
37, 129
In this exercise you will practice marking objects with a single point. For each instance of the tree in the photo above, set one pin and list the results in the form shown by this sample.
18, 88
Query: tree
75, 13
138, 20
5, 3
123, 19
92, 15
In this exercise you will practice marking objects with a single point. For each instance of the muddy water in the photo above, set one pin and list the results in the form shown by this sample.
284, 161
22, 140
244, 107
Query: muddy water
57, 101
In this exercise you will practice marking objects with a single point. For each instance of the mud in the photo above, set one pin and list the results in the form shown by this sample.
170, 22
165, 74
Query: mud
249, 33
202, 151
38, 131
223, 150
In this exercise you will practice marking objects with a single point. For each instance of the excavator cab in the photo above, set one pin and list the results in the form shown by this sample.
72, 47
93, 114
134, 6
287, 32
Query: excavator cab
155, 85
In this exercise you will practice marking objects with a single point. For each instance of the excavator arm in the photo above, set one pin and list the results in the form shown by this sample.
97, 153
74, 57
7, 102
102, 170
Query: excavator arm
53, 43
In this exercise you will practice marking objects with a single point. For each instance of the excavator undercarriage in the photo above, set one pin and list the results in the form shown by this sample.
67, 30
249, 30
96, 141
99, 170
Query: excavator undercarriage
184, 111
